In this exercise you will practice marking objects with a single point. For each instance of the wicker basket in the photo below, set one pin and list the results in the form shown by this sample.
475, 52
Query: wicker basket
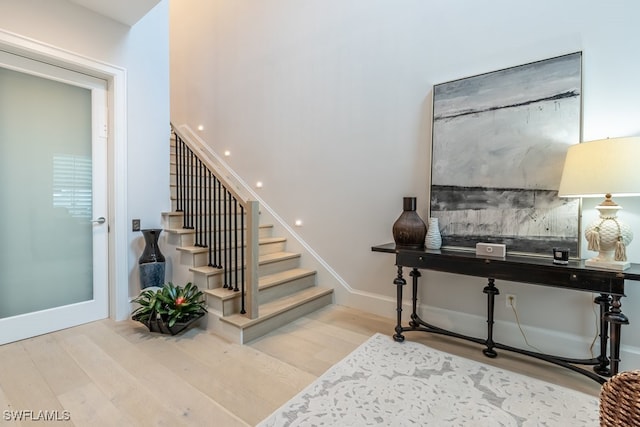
620, 400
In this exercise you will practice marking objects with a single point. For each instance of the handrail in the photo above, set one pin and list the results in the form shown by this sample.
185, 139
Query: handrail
224, 222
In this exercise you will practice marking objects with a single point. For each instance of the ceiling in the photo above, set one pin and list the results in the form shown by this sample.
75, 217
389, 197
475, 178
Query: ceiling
127, 12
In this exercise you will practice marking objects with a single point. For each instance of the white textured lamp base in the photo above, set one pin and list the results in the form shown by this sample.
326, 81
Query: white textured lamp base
607, 265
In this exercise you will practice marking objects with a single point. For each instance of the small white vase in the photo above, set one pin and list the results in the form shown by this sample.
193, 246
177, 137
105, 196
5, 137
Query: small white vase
433, 239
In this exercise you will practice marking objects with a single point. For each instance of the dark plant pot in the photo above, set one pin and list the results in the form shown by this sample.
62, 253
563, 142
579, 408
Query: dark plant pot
409, 230
151, 262
157, 324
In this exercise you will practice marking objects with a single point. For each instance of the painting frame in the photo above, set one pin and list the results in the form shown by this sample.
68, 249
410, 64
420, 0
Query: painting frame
499, 140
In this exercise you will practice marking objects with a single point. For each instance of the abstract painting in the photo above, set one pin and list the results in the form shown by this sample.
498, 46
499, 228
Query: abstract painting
499, 143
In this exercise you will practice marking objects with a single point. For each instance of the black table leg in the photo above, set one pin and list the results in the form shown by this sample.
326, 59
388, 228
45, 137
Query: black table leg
616, 319
415, 274
603, 368
491, 292
399, 282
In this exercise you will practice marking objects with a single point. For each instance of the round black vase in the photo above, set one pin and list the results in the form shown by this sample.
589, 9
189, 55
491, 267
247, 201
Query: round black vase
409, 230
151, 261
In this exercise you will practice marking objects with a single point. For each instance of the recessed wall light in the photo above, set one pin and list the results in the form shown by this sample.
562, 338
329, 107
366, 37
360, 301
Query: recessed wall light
298, 223
227, 153
259, 184
200, 127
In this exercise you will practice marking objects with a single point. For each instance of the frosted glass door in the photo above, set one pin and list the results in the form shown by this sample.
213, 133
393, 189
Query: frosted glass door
52, 192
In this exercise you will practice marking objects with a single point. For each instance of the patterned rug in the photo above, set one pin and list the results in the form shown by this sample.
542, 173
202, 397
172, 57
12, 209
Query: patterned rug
391, 384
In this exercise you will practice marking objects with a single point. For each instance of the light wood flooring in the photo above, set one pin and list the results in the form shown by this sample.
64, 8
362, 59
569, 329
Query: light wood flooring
117, 374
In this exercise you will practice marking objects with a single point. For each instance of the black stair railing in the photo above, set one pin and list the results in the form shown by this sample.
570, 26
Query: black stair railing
220, 220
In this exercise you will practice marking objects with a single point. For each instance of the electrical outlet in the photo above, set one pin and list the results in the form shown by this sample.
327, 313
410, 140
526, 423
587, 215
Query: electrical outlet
135, 225
510, 301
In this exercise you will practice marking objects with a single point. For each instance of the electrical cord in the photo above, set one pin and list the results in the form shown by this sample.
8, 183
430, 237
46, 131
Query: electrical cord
520, 326
593, 342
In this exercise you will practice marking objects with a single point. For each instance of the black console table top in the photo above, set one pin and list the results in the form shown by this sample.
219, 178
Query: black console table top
535, 270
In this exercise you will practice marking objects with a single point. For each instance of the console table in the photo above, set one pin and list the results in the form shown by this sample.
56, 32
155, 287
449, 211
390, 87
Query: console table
523, 269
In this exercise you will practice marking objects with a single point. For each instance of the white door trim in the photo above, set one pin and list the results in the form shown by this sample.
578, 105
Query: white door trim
116, 78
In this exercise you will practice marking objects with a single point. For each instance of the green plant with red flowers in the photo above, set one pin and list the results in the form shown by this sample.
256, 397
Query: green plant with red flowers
170, 305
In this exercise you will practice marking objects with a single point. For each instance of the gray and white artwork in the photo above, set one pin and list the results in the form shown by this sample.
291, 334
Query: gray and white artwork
499, 143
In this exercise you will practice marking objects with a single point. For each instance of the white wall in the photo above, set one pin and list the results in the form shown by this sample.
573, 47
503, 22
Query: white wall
328, 103
143, 50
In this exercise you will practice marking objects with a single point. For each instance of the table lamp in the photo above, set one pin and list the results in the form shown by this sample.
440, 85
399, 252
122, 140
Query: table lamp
604, 168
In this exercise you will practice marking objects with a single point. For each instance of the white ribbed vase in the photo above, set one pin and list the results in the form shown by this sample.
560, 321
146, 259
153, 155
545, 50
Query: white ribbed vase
433, 239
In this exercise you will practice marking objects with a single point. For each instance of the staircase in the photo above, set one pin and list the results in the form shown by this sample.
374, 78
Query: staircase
285, 291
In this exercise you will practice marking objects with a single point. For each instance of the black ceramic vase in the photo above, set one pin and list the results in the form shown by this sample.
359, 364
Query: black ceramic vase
409, 230
151, 261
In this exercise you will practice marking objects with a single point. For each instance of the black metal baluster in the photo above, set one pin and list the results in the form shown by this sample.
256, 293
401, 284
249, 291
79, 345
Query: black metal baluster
220, 224
187, 176
216, 220
223, 248
203, 211
210, 208
235, 237
200, 216
194, 197
242, 239
209, 216
183, 173
229, 245
177, 149
192, 189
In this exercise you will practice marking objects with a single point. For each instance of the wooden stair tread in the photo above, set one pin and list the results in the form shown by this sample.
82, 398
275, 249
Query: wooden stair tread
284, 276
267, 240
264, 282
222, 293
200, 249
278, 306
180, 230
192, 249
262, 259
277, 256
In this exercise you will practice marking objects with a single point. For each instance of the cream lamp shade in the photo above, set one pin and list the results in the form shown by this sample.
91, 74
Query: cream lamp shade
604, 168
598, 168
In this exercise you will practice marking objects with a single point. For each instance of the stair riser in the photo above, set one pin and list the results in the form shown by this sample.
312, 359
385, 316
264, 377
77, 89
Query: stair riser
201, 259
229, 306
271, 247
213, 281
263, 328
274, 292
216, 280
193, 192
194, 260
194, 180
226, 307
181, 239
188, 239
279, 266
264, 232
173, 221
203, 231
203, 219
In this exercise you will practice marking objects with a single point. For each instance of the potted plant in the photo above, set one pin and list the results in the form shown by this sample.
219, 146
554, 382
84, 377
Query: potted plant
170, 309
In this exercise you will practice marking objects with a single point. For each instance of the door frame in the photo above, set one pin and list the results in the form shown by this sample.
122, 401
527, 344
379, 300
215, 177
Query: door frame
116, 77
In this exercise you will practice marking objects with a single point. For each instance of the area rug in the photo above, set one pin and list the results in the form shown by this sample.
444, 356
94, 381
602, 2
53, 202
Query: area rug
387, 383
